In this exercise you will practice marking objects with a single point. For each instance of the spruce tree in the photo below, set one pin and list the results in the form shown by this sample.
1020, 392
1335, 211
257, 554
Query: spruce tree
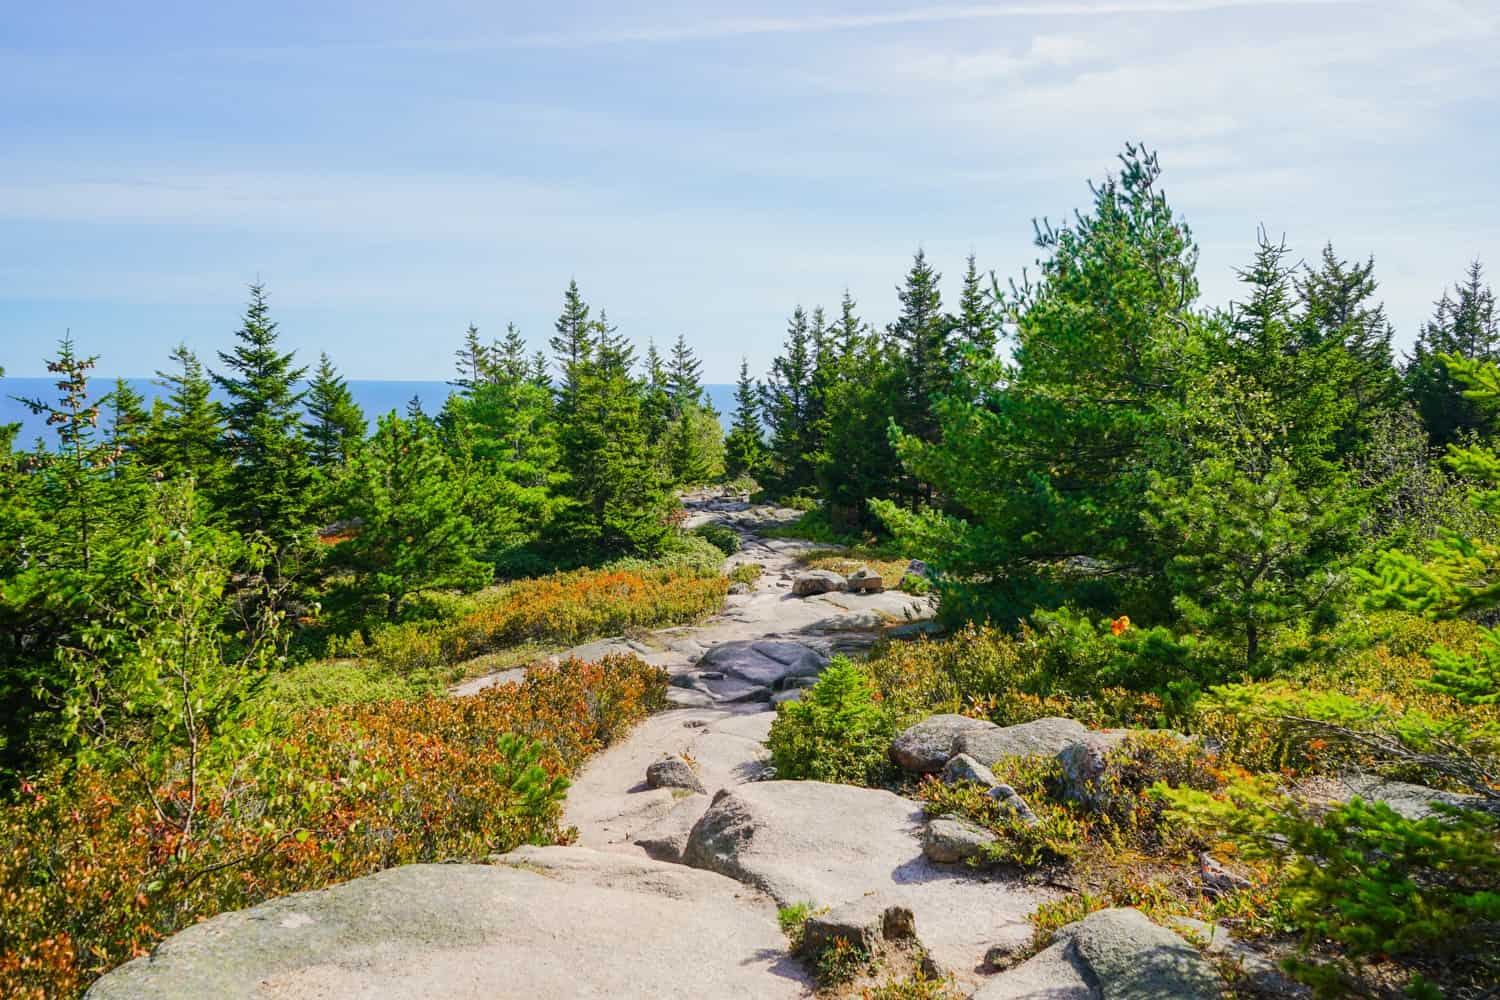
784, 401
976, 326
684, 377
187, 427
1464, 324
745, 450
573, 343
920, 334
657, 404
414, 531
508, 358
267, 488
337, 425
472, 360
129, 423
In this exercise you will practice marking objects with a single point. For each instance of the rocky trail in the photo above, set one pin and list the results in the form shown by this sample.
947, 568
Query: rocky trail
686, 847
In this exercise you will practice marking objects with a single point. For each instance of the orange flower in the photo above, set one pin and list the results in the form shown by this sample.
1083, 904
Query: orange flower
1119, 625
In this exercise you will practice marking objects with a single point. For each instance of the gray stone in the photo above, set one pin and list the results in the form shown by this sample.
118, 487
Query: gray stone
1055, 973
1133, 959
817, 581
740, 589
966, 768
545, 923
673, 772
869, 922
917, 568
864, 581
810, 842
790, 694
1084, 765
1041, 737
931, 743
1259, 970
1011, 800
667, 838
998, 956
763, 662
1218, 880
1410, 801
951, 839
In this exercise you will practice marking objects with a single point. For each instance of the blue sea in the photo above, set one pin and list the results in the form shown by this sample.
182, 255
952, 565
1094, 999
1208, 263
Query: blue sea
375, 397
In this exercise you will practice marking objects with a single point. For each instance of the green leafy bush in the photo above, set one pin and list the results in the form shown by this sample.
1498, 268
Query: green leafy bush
837, 732
746, 573
720, 536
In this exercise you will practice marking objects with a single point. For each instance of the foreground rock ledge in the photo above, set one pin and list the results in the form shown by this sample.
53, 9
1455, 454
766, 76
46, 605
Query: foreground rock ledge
542, 922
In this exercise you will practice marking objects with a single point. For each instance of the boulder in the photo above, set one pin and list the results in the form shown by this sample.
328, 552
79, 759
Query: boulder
817, 581
1133, 959
790, 694
543, 923
739, 589
1218, 880
1117, 954
1085, 763
1014, 804
864, 581
951, 839
917, 568
966, 768
1258, 970
810, 842
1041, 737
1411, 801
931, 743
870, 922
673, 772
748, 670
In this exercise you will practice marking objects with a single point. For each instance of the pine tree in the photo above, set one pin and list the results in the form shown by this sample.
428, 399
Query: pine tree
976, 326
684, 377
615, 492
856, 462
657, 405
187, 427
508, 358
745, 450
784, 401
414, 532
1464, 324
573, 344
920, 334
1337, 307
128, 422
337, 425
473, 361
267, 488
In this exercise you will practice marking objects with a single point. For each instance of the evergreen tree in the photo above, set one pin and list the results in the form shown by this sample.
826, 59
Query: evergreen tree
745, 450
920, 334
473, 361
695, 446
129, 423
337, 425
187, 427
1463, 324
414, 532
1045, 469
657, 412
857, 462
785, 401
616, 495
976, 326
684, 377
267, 488
573, 343
508, 358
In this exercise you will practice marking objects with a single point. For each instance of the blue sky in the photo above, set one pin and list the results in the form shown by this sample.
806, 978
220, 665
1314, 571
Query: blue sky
394, 171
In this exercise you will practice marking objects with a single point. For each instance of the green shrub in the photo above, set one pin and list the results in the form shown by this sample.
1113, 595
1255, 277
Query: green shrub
746, 573
836, 732
720, 536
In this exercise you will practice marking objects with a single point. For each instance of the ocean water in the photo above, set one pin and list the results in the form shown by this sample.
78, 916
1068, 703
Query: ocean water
374, 396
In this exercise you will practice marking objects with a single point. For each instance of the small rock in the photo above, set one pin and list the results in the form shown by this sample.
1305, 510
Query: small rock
867, 922
818, 581
1259, 970
790, 694
999, 956
1008, 797
864, 581
673, 772
1218, 880
966, 768
1084, 765
950, 839
917, 568
739, 589
695, 724
931, 743
1040, 737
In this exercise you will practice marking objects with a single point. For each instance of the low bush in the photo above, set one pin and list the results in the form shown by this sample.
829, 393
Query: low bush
564, 608
746, 573
837, 732
91, 875
720, 536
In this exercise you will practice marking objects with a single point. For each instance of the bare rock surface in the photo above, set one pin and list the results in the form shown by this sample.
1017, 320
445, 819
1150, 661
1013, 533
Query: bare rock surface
542, 923
951, 839
1039, 738
868, 922
806, 841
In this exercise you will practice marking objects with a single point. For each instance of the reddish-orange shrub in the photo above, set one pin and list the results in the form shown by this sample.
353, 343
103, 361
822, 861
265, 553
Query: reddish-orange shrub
90, 876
